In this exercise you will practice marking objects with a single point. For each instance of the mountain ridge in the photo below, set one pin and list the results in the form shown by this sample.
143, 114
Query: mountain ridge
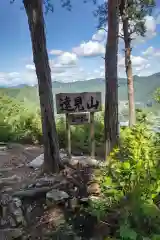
144, 88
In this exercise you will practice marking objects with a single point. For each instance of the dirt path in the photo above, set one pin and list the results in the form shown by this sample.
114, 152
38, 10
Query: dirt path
13, 164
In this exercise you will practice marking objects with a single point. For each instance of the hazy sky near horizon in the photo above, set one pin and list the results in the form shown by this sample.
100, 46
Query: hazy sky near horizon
74, 44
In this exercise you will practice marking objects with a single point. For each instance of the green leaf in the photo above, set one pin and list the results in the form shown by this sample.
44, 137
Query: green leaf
108, 181
126, 165
156, 237
127, 233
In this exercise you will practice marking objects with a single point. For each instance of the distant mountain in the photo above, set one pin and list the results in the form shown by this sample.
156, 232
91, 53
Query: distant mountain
144, 88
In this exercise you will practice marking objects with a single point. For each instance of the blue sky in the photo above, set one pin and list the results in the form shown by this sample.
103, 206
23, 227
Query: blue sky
74, 45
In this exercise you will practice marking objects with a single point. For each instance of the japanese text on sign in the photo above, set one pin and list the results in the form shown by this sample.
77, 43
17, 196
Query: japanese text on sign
78, 118
78, 102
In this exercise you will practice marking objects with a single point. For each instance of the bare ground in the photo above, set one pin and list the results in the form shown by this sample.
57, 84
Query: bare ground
14, 160
13, 166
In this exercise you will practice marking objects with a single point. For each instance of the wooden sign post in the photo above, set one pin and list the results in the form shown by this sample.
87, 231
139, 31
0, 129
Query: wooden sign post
92, 139
68, 130
79, 109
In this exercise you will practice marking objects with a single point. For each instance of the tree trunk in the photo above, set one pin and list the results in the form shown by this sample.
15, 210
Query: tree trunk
111, 79
34, 11
128, 66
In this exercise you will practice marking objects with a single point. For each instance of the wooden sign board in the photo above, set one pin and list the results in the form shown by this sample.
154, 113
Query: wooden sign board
78, 118
78, 102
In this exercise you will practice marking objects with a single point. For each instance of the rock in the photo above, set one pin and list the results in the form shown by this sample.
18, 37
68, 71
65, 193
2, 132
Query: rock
3, 222
37, 162
5, 199
84, 200
20, 165
17, 202
28, 212
73, 203
12, 222
12, 214
47, 180
31, 185
56, 217
18, 214
7, 189
11, 233
57, 196
12, 178
63, 153
32, 193
9, 180
6, 169
85, 161
77, 153
94, 188
3, 148
16, 211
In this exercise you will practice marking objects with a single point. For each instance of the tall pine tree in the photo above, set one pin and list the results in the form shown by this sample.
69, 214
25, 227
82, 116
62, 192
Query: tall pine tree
132, 15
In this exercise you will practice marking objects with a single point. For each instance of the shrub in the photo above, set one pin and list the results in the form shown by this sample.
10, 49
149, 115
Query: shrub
21, 123
130, 184
18, 123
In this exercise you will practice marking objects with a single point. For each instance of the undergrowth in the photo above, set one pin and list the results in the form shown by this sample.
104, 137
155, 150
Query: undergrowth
19, 123
130, 187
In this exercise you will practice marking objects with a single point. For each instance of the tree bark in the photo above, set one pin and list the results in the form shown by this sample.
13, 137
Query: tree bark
128, 66
111, 79
34, 11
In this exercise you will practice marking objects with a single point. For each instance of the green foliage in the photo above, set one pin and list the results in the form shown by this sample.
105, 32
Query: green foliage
130, 186
23, 124
157, 95
18, 123
141, 116
126, 232
137, 11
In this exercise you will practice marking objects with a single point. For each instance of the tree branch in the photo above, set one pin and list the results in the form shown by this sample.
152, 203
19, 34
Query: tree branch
103, 29
121, 36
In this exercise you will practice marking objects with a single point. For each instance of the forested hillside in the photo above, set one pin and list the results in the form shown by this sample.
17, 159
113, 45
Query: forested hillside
144, 88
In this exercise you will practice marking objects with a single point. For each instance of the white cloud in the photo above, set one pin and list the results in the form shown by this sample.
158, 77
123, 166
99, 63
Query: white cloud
157, 53
13, 74
150, 33
67, 59
149, 51
60, 64
136, 61
30, 67
65, 66
56, 52
139, 65
143, 67
88, 49
150, 25
11, 79
100, 35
